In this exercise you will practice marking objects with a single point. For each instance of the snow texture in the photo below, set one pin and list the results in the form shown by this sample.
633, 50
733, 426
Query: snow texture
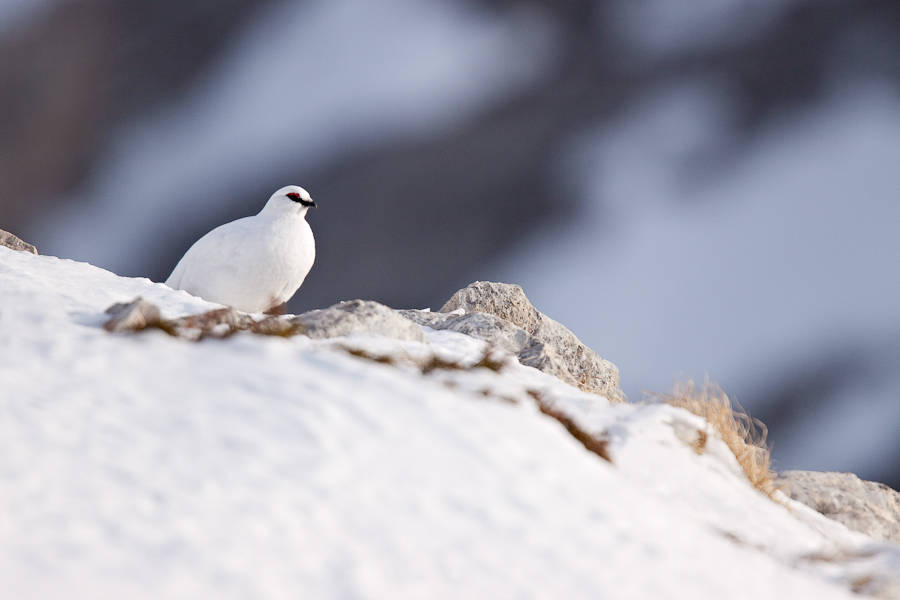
146, 466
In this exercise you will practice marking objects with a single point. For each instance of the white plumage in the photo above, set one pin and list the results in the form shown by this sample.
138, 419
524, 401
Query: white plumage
255, 263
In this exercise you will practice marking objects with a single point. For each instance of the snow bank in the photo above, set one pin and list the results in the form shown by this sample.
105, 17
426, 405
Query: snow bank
147, 466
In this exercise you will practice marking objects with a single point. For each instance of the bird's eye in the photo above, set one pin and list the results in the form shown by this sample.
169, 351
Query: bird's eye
294, 196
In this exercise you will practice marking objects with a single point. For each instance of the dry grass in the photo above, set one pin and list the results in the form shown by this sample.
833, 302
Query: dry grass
744, 435
385, 359
491, 359
865, 583
599, 445
437, 363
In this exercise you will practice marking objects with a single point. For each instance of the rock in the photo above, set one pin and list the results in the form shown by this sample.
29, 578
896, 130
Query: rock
503, 300
502, 334
542, 343
140, 314
338, 320
493, 330
132, 316
544, 358
220, 322
10, 241
514, 326
364, 316
865, 506
550, 346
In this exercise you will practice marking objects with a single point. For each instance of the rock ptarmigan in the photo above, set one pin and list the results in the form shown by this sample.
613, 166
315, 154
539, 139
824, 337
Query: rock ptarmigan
256, 263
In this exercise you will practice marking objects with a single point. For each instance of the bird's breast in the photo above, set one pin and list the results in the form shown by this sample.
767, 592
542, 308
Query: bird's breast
291, 248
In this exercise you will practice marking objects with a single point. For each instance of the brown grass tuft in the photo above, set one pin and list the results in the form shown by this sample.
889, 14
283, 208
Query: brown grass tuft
275, 327
385, 359
493, 360
489, 360
865, 585
436, 363
599, 445
744, 435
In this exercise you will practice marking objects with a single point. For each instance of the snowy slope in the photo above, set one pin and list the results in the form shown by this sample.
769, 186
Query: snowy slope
150, 467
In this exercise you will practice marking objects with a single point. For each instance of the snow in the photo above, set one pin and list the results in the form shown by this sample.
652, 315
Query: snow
144, 466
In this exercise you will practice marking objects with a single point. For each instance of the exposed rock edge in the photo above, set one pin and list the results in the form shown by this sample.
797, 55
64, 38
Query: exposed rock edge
10, 241
865, 506
335, 321
497, 313
502, 315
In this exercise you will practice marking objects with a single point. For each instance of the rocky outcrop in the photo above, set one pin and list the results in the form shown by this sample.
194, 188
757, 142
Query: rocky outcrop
10, 241
503, 300
864, 506
497, 313
502, 315
355, 316
493, 330
137, 315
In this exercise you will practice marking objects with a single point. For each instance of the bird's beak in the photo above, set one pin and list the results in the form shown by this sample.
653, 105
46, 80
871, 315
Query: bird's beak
309, 203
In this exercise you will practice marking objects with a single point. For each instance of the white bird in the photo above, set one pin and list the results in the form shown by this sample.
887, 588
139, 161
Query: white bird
256, 263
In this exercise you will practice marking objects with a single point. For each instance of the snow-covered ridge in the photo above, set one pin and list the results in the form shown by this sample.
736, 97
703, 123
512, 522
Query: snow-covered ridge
147, 466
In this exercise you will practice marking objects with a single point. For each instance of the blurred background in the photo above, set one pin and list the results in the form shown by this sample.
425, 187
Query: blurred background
694, 187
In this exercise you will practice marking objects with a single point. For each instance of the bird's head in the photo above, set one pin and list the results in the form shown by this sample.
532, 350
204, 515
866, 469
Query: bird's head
292, 196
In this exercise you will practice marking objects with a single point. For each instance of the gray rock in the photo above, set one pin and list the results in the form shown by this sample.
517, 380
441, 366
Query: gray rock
545, 345
549, 345
132, 316
493, 330
864, 506
338, 320
544, 358
140, 314
10, 241
501, 334
219, 323
363, 316
503, 300
229, 317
